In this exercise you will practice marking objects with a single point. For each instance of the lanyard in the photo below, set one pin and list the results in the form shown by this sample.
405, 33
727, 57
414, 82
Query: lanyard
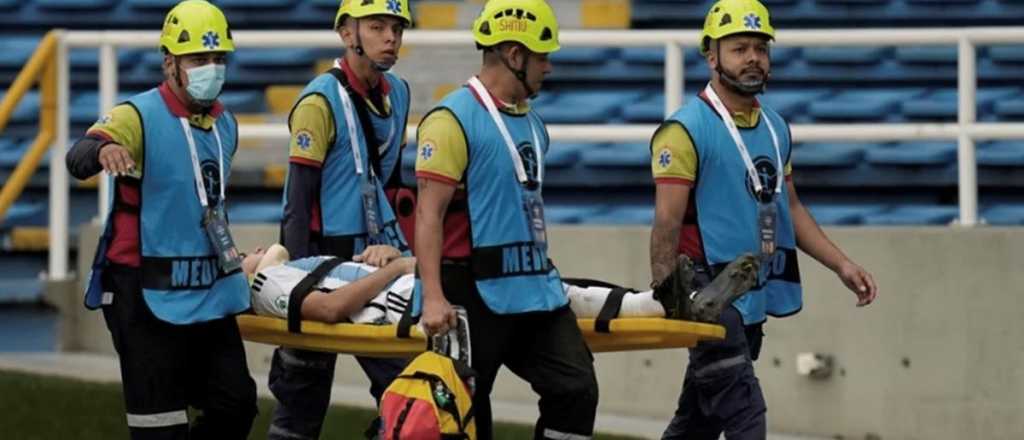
196, 170
350, 121
742, 146
517, 161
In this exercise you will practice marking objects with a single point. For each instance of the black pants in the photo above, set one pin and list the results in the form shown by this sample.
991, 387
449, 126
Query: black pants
545, 349
165, 368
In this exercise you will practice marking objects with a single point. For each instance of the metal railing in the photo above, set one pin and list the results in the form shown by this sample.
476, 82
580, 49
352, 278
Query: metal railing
965, 131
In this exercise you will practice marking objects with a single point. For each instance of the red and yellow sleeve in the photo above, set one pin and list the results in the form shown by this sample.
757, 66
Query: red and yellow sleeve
312, 131
122, 126
673, 156
441, 154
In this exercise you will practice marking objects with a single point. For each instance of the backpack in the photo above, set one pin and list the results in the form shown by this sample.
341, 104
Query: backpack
431, 399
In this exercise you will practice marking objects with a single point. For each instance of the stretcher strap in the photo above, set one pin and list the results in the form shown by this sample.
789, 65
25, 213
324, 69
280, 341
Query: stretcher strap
610, 310
301, 290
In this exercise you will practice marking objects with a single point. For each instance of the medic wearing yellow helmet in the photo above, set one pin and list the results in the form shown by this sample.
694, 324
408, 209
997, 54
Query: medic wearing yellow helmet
347, 132
721, 166
480, 234
166, 272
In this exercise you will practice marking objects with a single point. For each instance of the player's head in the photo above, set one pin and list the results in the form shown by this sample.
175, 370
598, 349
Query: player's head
735, 41
373, 29
264, 258
518, 34
195, 41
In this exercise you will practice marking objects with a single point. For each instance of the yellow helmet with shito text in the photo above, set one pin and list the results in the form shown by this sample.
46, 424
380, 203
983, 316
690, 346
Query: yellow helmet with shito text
196, 26
529, 22
366, 8
730, 17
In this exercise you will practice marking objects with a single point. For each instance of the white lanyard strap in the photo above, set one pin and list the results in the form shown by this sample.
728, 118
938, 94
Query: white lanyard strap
730, 125
196, 169
517, 161
350, 121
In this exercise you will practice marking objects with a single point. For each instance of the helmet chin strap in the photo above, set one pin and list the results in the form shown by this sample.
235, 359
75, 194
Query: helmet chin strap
380, 67
734, 83
520, 74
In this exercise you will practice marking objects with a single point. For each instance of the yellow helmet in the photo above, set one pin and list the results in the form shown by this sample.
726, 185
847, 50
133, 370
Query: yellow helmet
530, 22
730, 17
366, 8
195, 26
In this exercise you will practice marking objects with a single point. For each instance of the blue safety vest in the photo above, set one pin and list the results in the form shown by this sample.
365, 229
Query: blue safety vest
181, 279
727, 208
512, 273
341, 204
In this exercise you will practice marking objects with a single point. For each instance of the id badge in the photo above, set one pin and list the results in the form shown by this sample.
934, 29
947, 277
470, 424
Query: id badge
767, 219
534, 206
217, 231
370, 212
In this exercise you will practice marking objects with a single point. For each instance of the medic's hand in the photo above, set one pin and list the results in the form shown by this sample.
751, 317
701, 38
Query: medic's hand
859, 281
438, 314
406, 264
377, 255
116, 160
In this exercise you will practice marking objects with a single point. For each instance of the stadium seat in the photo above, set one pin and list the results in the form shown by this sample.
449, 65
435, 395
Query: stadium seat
587, 107
1001, 154
1010, 108
943, 103
1004, 215
27, 110
792, 103
914, 215
623, 215
913, 154
16, 50
857, 56
254, 212
75, 5
87, 59
8, 5
843, 214
26, 214
829, 155
632, 155
162, 5
256, 4
24, 283
861, 104
1007, 54
249, 101
12, 152
261, 57
565, 155
569, 214
583, 55
650, 109
85, 107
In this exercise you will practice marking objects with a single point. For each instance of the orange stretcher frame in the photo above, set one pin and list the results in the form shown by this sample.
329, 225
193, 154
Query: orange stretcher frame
381, 340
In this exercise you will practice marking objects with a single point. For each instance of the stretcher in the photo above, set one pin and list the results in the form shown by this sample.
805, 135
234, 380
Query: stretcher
624, 334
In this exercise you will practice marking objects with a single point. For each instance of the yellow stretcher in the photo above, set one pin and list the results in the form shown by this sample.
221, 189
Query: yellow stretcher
382, 340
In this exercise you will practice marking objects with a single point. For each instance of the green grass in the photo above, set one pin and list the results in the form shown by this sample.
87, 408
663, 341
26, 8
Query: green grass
40, 407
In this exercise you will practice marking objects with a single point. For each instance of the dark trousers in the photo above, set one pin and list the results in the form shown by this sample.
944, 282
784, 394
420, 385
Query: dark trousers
301, 381
545, 349
166, 367
720, 391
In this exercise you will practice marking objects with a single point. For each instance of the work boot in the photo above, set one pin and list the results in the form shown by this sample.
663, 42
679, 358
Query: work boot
735, 280
674, 291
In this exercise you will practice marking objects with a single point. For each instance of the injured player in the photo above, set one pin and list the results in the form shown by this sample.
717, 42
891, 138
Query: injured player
377, 286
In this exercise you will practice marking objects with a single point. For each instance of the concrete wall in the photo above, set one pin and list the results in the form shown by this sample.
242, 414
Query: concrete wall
940, 355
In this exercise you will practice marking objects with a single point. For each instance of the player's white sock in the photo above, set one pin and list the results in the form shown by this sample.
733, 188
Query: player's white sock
586, 302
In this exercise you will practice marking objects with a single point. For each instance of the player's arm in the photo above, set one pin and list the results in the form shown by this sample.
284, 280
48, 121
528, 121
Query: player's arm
813, 241
114, 144
440, 164
674, 167
312, 133
346, 300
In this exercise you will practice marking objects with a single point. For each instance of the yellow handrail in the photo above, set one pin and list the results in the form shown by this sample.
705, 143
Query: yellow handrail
43, 62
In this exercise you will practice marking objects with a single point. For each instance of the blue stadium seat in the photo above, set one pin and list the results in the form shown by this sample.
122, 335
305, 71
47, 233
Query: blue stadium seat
249, 101
23, 283
650, 109
583, 55
85, 107
1004, 215
829, 155
254, 212
857, 56
12, 152
161, 5
256, 57
1007, 54
565, 155
632, 155
568, 214
914, 215
943, 103
26, 214
792, 103
623, 215
843, 214
86, 59
256, 4
587, 107
927, 55
8, 5
75, 5
1010, 108
861, 104
642, 55
914, 154
27, 110
1001, 154
15, 51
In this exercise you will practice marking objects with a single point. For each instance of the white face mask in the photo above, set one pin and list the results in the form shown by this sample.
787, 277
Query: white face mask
205, 82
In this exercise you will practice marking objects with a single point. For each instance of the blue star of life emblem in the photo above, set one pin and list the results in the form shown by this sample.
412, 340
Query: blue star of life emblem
211, 40
665, 158
395, 6
752, 21
303, 140
427, 151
